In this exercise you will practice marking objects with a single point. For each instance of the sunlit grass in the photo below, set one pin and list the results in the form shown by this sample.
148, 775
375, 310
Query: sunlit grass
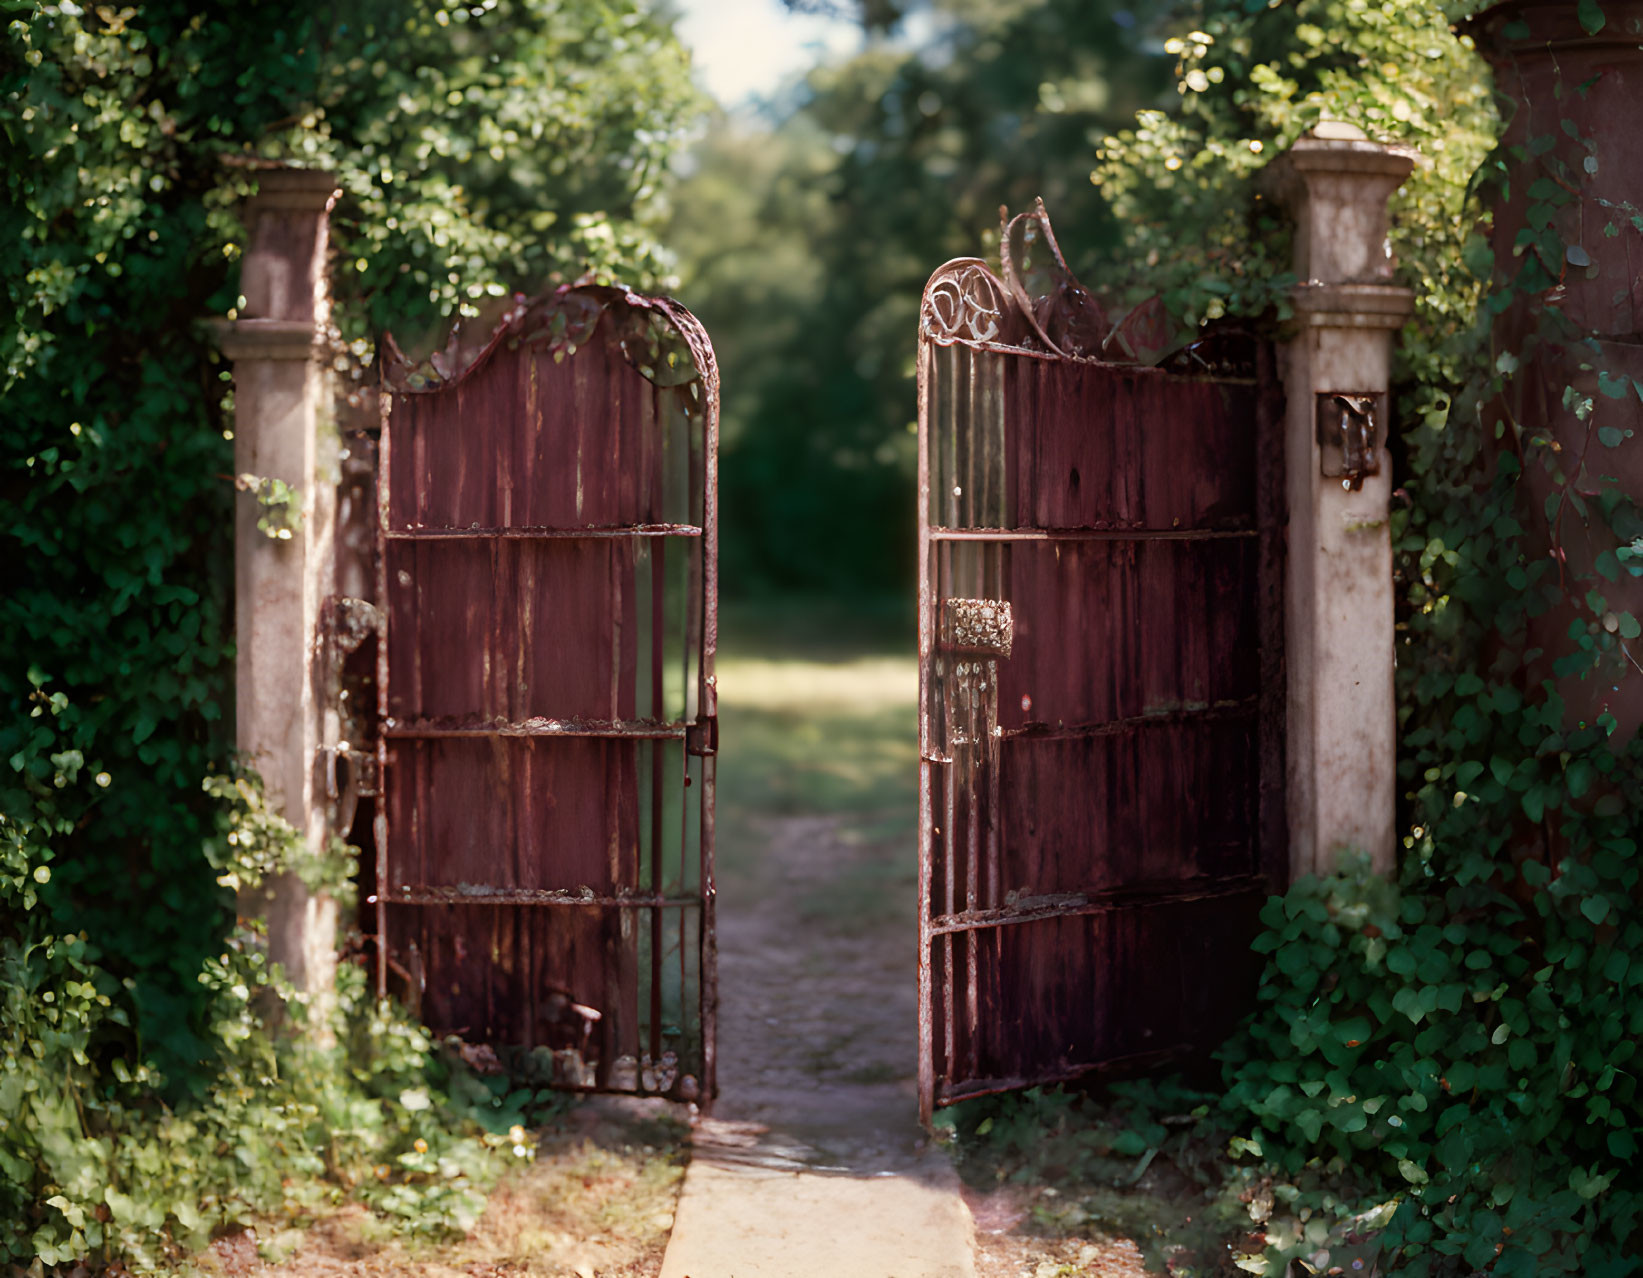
817, 721
804, 737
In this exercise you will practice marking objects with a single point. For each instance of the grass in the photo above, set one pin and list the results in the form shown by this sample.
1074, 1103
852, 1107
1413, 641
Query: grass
597, 1199
1140, 1161
819, 717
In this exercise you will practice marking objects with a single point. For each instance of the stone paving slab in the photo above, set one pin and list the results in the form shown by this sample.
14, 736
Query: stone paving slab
741, 1222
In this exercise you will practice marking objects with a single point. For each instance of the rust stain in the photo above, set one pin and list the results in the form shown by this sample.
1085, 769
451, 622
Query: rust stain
1100, 547
519, 833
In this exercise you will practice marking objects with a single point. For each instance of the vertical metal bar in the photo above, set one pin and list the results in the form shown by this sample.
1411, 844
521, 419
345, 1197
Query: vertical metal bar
611, 754
926, 1009
974, 513
621, 565
379, 822
950, 357
926, 637
708, 708
996, 588
707, 941
684, 986
658, 560
994, 823
949, 849
527, 935
973, 877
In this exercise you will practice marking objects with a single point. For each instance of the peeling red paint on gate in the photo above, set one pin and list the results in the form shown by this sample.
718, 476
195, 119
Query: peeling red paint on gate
546, 694
1093, 862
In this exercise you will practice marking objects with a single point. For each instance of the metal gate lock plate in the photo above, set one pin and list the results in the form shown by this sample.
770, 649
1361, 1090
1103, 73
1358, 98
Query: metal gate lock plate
1349, 436
981, 626
702, 738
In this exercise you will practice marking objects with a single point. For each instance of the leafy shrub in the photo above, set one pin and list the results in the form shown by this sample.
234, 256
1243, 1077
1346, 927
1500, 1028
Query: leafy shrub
94, 1163
1469, 1049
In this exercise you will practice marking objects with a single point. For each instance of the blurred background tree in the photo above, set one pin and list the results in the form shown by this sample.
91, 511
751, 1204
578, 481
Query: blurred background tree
804, 241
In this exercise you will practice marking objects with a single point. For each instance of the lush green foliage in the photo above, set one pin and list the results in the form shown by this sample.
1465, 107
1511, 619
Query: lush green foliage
481, 148
93, 1163
492, 147
1471, 1052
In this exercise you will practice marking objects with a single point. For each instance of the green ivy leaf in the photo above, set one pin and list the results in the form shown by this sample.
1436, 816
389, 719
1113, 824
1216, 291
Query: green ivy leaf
1595, 908
1311, 1123
1591, 16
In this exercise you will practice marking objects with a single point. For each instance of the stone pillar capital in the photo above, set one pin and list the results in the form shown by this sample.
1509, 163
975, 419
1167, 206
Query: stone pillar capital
253, 339
1337, 183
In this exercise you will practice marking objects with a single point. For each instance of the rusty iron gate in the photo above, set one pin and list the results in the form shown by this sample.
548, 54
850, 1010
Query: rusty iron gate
1101, 689
544, 841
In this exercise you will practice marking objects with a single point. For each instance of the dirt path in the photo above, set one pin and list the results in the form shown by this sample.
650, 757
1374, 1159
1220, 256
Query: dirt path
813, 1161
820, 1021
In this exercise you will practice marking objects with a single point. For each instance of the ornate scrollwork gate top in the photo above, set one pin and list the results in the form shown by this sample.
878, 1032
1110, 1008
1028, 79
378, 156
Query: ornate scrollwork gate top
1038, 304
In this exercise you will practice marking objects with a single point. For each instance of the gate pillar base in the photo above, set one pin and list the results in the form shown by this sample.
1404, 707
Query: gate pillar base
1342, 754
282, 569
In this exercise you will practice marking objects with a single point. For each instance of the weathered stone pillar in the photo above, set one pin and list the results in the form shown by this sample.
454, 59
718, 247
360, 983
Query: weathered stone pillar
1338, 629
282, 572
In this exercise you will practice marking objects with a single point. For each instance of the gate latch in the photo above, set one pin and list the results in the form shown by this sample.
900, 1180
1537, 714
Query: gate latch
702, 737
1349, 437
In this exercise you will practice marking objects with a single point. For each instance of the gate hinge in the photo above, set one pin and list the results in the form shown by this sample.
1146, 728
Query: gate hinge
702, 737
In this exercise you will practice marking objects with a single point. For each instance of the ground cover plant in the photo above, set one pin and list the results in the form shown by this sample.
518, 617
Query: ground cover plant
1440, 1077
96, 1163
480, 148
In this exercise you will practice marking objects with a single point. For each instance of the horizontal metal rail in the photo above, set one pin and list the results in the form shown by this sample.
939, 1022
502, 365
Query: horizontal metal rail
971, 1088
1190, 712
1076, 904
1091, 534
478, 894
542, 534
1135, 371
627, 729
